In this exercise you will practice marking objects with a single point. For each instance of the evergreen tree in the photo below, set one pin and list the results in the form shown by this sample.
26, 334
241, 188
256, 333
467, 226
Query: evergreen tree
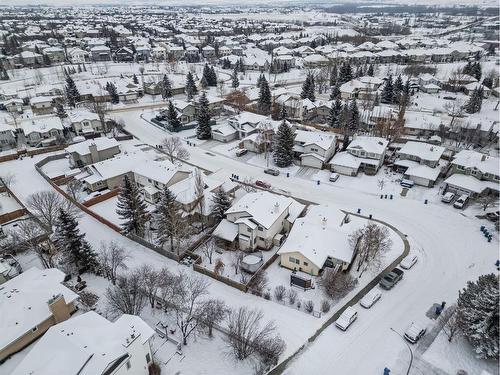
131, 208
283, 145
72, 93
111, 88
345, 73
335, 94
478, 315
226, 64
204, 83
166, 91
72, 244
60, 111
283, 113
353, 123
191, 89
260, 79
213, 77
475, 101
135, 79
359, 71
387, 91
241, 65
334, 114
308, 88
203, 131
172, 119
397, 89
4, 76
264, 102
369, 72
334, 75
206, 74
235, 82
167, 211
220, 204
476, 70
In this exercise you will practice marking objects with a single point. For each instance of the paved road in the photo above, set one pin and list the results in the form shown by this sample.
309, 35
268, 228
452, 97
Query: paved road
449, 245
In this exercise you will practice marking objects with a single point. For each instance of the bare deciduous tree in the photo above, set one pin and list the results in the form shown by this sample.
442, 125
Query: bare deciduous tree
75, 189
215, 311
449, 320
199, 195
189, 303
292, 296
279, 292
259, 281
46, 205
337, 284
88, 300
112, 258
486, 201
248, 335
370, 243
208, 249
151, 282
8, 179
174, 148
127, 296
236, 258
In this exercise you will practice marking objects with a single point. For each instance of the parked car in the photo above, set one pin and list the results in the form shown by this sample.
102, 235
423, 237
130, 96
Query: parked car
414, 332
370, 298
334, 177
461, 201
492, 216
407, 183
448, 197
241, 152
271, 171
262, 184
391, 279
347, 318
408, 261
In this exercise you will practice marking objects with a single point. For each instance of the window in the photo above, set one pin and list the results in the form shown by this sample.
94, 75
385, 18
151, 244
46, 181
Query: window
306, 264
249, 230
148, 358
260, 228
34, 329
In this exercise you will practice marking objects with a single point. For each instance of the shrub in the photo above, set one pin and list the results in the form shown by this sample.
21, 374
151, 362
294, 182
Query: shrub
292, 296
267, 295
309, 306
325, 306
279, 292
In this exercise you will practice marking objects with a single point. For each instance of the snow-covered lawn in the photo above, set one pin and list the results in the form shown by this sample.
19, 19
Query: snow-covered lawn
266, 161
457, 355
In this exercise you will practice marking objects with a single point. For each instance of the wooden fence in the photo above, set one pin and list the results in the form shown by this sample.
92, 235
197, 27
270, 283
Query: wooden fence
101, 198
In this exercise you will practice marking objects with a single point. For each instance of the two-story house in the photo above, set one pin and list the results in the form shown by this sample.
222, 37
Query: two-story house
363, 153
314, 148
92, 151
262, 218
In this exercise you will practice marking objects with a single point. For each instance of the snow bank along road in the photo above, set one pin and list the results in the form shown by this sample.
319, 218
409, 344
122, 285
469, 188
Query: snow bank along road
450, 247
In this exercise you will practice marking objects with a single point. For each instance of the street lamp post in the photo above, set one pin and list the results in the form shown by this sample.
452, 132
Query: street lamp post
409, 348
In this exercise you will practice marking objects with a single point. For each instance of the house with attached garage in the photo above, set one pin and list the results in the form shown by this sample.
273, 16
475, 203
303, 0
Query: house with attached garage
92, 151
42, 131
363, 153
365, 87
100, 53
314, 148
77, 55
31, 303
150, 176
261, 219
7, 137
473, 173
91, 344
421, 124
84, 122
42, 105
422, 153
14, 105
319, 240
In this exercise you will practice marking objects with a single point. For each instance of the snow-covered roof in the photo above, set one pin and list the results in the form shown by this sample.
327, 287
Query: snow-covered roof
41, 125
86, 344
422, 150
474, 159
102, 143
320, 139
226, 230
262, 207
23, 301
79, 115
423, 171
322, 233
470, 183
375, 145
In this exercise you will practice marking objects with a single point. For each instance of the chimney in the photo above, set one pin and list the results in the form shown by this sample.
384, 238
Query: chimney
94, 154
59, 308
483, 157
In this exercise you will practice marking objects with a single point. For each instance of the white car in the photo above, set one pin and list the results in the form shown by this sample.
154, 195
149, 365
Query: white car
408, 261
448, 197
370, 298
461, 201
334, 177
414, 332
347, 318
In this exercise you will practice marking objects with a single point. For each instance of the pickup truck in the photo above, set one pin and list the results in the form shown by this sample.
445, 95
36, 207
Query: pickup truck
391, 279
